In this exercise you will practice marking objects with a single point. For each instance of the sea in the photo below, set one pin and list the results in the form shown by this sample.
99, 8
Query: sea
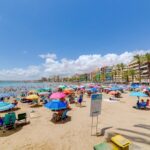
4, 84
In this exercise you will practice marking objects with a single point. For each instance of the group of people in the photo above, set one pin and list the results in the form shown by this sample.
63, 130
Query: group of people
70, 99
143, 104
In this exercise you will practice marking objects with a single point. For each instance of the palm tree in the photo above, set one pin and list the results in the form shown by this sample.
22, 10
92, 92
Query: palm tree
112, 76
139, 61
132, 74
147, 59
126, 76
118, 71
115, 75
122, 66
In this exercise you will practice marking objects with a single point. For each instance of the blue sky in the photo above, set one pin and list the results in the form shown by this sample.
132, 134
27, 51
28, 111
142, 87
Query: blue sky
70, 29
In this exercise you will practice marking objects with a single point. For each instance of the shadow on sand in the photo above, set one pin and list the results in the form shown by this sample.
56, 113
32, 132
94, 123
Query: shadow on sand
101, 132
132, 138
10, 132
68, 119
135, 132
8, 111
36, 106
144, 126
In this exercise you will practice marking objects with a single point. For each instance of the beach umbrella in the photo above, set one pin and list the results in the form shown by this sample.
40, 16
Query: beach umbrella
82, 87
115, 88
5, 95
32, 97
62, 87
57, 95
91, 85
134, 86
68, 91
56, 105
92, 90
44, 93
6, 106
138, 94
44, 90
32, 92
40, 90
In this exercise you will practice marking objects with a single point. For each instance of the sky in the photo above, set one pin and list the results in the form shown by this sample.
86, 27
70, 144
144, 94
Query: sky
63, 37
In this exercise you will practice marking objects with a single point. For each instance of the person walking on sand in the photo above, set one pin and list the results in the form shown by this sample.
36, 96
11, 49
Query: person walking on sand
80, 98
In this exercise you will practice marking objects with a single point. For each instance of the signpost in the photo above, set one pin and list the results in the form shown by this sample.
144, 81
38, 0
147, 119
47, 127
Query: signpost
95, 111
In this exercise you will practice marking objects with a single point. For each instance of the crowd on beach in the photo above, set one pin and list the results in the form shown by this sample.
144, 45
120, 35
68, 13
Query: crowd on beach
59, 98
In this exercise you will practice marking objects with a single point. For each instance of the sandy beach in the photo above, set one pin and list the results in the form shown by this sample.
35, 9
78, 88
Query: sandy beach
75, 134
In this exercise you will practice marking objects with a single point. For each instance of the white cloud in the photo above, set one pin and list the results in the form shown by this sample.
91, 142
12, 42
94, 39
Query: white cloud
32, 72
54, 66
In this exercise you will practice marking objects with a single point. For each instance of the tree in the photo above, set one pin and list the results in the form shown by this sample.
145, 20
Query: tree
126, 76
132, 74
122, 67
118, 71
114, 74
139, 61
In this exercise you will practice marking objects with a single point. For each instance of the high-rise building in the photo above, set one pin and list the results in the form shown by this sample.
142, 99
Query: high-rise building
143, 71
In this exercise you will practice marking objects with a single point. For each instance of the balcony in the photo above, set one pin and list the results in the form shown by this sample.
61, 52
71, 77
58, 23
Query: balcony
145, 66
144, 71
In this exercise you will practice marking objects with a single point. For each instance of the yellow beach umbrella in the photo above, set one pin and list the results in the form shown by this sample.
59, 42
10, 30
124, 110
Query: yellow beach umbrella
32, 97
32, 92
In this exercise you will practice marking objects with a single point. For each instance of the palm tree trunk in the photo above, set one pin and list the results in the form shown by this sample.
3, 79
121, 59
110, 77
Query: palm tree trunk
140, 72
132, 78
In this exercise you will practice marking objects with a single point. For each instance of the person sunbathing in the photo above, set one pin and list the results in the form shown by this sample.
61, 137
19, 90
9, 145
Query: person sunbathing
15, 102
148, 102
141, 104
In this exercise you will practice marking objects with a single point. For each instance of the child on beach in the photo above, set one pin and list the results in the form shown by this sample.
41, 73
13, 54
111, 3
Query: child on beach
80, 98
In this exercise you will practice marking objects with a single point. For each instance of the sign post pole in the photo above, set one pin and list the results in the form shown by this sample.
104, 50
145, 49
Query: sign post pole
96, 102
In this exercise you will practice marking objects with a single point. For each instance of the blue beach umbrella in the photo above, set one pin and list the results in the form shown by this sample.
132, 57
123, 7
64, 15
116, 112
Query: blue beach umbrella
138, 94
94, 90
6, 106
56, 105
4, 95
115, 88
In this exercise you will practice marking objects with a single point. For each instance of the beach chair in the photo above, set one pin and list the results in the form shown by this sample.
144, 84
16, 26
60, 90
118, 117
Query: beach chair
18, 99
102, 146
64, 115
22, 118
121, 142
56, 117
9, 121
1, 122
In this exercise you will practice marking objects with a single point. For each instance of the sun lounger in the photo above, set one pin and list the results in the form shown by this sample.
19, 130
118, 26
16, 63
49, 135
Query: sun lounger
9, 121
56, 117
64, 115
121, 142
18, 99
102, 146
22, 118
